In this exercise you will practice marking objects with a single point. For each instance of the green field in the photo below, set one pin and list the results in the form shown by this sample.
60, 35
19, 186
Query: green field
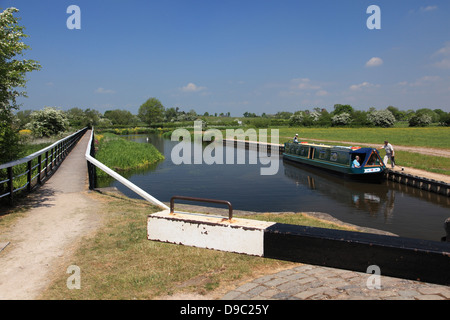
435, 137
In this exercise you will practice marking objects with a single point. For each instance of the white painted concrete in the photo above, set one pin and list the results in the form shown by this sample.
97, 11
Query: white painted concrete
206, 231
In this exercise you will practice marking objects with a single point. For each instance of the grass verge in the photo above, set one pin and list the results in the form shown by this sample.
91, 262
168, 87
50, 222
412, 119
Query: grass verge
118, 262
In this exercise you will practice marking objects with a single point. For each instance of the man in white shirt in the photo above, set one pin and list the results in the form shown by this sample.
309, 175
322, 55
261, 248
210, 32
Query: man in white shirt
390, 155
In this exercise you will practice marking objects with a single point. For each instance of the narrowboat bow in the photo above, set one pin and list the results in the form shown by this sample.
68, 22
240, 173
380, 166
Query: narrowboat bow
338, 159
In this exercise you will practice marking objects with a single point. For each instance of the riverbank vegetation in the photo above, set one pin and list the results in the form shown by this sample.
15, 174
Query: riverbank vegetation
120, 154
118, 262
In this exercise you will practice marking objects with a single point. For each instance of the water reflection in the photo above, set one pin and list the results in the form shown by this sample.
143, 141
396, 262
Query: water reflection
375, 199
388, 206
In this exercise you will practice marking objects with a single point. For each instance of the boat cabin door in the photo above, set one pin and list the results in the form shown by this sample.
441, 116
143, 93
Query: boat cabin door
311, 153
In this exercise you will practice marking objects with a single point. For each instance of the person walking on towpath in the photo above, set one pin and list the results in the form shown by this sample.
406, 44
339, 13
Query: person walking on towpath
390, 154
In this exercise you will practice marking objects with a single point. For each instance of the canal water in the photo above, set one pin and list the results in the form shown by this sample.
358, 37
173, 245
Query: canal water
387, 206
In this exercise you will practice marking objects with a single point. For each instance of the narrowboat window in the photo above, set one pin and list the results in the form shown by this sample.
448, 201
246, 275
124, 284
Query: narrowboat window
322, 154
373, 160
334, 156
304, 151
362, 157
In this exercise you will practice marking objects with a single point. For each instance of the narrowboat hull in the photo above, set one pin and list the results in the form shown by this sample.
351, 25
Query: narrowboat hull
338, 160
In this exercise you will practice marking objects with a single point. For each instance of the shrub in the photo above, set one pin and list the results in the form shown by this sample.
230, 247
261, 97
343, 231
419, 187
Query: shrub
420, 120
315, 116
381, 118
47, 122
296, 120
444, 120
341, 119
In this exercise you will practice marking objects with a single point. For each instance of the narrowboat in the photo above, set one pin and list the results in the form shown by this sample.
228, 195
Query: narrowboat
338, 159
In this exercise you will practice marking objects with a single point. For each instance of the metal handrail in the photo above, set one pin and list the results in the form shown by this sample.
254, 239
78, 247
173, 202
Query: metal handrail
92, 163
37, 153
230, 207
58, 151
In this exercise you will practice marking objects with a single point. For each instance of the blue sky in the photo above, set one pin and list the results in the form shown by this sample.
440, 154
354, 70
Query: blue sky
237, 56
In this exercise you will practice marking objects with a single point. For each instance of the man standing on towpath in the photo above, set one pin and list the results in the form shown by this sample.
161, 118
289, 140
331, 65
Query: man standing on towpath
390, 155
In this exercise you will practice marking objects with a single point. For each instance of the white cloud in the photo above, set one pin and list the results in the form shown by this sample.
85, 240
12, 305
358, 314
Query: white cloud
374, 62
423, 10
321, 93
443, 64
428, 8
365, 84
104, 91
302, 86
445, 51
444, 55
305, 84
191, 87
426, 80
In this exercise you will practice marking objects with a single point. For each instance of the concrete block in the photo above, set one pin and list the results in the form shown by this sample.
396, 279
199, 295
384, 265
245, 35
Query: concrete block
207, 231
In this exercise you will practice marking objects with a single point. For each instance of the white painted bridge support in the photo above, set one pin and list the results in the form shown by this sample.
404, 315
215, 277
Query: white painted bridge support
207, 231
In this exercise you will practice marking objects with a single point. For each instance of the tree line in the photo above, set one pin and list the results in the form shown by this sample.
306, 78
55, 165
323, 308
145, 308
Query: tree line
346, 115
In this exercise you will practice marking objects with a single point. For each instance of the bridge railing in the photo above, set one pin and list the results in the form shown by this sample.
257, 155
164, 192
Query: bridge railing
93, 163
31, 171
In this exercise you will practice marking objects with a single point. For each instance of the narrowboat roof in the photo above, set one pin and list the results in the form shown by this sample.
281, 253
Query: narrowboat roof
350, 149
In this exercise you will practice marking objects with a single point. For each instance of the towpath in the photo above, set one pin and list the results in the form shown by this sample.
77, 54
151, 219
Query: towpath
422, 150
61, 213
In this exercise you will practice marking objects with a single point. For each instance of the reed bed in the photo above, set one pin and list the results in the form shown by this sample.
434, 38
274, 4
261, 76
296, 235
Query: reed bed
124, 155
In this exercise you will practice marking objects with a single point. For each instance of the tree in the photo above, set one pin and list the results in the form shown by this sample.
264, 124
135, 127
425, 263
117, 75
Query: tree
381, 118
342, 108
426, 111
47, 122
399, 115
75, 116
296, 119
341, 119
170, 114
324, 119
91, 117
420, 120
444, 119
151, 111
12, 77
23, 117
120, 117
283, 115
249, 114
83, 118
